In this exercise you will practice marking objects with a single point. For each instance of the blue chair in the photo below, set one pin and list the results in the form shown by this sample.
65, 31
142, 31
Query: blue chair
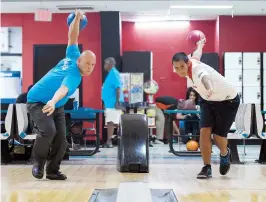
80, 116
25, 125
8, 123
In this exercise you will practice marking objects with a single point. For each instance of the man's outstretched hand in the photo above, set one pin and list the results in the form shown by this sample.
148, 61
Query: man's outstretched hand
201, 42
80, 14
49, 108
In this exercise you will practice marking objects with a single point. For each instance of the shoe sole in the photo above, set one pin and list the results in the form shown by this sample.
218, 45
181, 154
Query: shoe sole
104, 146
37, 177
226, 171
55, 178
203, 177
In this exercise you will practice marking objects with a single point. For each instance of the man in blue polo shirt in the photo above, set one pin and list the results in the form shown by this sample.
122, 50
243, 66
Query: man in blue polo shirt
112, 94
46, 100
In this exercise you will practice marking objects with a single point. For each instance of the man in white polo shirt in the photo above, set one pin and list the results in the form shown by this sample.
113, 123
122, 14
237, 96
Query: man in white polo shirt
218, 107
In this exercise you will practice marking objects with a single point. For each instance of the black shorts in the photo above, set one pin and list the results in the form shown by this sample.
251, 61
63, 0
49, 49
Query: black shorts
218, 115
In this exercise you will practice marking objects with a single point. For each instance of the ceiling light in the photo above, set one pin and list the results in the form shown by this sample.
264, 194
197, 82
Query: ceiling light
162, 24
163, 19
202, 7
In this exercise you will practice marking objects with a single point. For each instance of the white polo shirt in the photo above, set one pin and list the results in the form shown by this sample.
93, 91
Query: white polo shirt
222, 89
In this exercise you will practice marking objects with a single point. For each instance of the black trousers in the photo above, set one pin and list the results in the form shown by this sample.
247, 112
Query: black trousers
50, 144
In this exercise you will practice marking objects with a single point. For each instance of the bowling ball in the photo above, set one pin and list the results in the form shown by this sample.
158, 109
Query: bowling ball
83, 22
195, 36
192, 145
76, 128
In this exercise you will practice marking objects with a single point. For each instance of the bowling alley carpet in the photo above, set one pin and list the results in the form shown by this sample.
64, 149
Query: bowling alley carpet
244, 183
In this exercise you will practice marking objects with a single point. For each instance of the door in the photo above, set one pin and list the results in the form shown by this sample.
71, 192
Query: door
45, 57
234, 76
232, 60
138, 62
211, 59
251, 61
251, 77
251, 95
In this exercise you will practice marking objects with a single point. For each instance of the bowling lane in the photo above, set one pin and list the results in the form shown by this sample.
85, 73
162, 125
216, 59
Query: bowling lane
242, 182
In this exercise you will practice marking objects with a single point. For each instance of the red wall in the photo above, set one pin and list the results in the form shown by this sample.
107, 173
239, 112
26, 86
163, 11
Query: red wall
164, 43
225, 34
242, 34
217, 38
55, 32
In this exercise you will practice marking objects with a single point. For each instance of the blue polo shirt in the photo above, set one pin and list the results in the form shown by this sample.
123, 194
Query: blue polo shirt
111, 83
66, 73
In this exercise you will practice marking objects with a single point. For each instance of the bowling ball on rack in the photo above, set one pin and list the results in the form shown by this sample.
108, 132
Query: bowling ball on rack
192, 145
76, 128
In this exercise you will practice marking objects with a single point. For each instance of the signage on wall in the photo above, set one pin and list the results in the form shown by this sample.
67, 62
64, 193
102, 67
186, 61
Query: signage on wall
4, 40
43, 15
136, 92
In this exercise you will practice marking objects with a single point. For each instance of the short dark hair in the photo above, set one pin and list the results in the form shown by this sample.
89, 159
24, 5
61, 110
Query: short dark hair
110, 60
180, 56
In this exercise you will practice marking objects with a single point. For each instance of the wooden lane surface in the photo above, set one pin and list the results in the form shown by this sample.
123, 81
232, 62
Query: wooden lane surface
244, 183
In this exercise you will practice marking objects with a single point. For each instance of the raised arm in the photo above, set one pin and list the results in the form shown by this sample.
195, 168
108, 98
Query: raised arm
73, 32
198, 52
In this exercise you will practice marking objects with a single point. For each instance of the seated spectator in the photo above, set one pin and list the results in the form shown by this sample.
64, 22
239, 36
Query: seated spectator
22, 98
163, 103
191, 120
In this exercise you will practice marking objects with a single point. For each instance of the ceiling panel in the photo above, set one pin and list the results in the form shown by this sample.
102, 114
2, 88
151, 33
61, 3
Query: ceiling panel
144, 10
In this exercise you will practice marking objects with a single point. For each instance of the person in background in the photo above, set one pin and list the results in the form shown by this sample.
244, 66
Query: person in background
22, 98
164, 103
191, 120
111, 95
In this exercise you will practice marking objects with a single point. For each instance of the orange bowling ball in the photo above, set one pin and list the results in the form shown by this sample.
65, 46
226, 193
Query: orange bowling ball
192, 145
